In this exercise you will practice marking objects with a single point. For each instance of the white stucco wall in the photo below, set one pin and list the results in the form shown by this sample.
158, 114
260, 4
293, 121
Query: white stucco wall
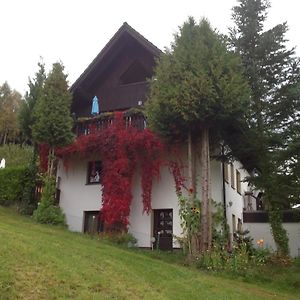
163, 197
76, 196
234, 200
263, 231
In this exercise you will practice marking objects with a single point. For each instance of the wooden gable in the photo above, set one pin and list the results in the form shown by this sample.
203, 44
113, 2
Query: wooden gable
118, 75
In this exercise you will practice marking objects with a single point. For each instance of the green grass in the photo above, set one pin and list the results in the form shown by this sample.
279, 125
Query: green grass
44, 262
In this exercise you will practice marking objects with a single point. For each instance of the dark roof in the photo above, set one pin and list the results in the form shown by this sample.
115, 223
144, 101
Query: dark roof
125, 28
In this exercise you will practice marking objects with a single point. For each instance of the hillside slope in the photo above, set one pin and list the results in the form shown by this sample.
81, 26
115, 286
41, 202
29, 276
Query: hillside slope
43, 262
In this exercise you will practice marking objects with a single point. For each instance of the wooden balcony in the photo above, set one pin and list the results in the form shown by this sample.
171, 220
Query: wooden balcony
86, 126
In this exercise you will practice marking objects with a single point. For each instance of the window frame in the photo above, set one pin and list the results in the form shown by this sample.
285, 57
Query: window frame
89, 170
232, 177
238, 182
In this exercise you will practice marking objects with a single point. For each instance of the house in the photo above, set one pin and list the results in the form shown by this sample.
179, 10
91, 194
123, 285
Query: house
118, 77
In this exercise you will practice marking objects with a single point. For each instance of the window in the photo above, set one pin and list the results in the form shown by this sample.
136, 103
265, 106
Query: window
226, 175
232, 176
239, 225
92, 222
94, 172
233, 223
238, 181
134, 74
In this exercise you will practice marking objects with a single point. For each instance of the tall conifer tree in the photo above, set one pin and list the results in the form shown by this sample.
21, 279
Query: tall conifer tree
53, 122
273, 73
197, 88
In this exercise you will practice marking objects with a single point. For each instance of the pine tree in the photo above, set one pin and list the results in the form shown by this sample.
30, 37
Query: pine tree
196, 89
272, 129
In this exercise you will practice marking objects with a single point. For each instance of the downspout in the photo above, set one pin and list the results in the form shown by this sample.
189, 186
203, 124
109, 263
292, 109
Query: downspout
224, 188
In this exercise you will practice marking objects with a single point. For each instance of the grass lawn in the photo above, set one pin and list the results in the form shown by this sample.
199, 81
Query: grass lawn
44, 262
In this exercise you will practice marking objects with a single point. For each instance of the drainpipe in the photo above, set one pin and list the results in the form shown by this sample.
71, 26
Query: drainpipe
224, 186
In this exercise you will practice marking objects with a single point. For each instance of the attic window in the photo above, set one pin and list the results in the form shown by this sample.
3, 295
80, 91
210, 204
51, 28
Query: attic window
135, 73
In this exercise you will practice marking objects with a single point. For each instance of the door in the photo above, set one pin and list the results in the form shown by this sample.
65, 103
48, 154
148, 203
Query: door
163, 229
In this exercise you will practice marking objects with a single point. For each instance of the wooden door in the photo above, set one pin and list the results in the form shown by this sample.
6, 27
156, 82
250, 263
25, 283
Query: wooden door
163, 229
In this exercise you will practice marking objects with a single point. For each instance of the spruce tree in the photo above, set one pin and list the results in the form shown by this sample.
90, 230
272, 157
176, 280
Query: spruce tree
197, 88
270, 138
53, 122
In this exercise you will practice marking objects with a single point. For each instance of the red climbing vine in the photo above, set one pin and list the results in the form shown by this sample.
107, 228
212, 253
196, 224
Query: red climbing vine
121, 150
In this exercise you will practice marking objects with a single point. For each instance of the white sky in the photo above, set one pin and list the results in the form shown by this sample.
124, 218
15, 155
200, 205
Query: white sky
74, 31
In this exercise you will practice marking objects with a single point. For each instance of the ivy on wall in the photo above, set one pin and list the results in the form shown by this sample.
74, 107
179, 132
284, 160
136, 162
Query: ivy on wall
122, 150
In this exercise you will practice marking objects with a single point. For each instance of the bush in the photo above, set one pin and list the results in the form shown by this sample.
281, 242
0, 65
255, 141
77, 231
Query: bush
47, 212
16, 155
29, 201
11, 187
122, 239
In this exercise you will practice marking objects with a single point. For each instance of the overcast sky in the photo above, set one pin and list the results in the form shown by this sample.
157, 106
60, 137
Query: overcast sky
74, 31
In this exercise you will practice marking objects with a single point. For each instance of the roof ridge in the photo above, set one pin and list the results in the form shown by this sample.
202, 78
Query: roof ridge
124, 28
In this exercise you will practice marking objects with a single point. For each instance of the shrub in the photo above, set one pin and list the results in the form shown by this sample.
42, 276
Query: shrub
16, 155
29, 201
122, 239
11, 187
47, 212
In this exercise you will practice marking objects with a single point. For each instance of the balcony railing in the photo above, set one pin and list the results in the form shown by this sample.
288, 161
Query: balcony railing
99, 123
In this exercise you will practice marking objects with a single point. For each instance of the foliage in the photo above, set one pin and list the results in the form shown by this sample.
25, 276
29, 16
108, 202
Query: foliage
16, 155
269, 140
241, 237
121, 239
197, 83
237, 261
29, 201
279, 233
121, 148
53, 122
47, 212
11, 186
10, 101
51, 115
189, 212
26, 116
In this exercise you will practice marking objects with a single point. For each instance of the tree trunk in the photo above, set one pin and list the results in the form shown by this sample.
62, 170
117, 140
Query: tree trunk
206, 221
51, 161
193, 244
191, 165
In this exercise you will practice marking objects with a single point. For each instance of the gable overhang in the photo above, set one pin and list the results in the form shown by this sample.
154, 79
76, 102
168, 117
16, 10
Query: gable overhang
103, 57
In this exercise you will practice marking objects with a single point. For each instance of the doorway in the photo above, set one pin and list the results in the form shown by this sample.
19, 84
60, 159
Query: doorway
163, 229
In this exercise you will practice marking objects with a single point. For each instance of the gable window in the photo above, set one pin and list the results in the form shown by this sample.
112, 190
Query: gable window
94, 172
232, 176
226, 175
238, 181
134, 74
